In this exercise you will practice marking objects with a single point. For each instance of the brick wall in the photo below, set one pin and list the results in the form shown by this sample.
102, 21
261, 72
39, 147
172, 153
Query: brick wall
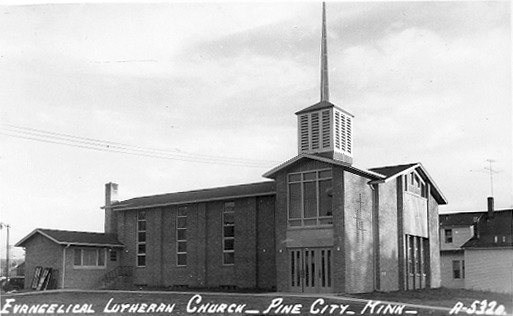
254, 248
40, 251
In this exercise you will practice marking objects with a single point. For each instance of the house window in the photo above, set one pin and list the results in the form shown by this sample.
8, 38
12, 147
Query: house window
229, 233
181, 236
310, 198
89, 258
458, 269
141, 238
448, 236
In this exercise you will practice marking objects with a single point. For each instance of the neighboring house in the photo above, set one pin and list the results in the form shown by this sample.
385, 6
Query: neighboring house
320, 225
77, 259
455, 230
489, 254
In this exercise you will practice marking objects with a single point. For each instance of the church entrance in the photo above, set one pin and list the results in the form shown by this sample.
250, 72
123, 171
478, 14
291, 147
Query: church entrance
416, 258
311, 270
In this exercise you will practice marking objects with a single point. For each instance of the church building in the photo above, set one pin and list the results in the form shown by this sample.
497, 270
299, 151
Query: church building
318, 224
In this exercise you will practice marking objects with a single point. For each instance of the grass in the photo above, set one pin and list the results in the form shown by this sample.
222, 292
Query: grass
443, 297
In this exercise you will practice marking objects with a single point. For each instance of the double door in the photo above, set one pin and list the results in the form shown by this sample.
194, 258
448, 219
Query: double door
311, 270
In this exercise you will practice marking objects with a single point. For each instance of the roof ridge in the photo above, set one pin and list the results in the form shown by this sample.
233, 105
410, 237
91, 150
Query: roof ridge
72, 231
197, 190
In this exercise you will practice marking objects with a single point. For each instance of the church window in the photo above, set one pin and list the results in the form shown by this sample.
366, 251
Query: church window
89, 258
141, 238
181, 236
229, 233
310, 198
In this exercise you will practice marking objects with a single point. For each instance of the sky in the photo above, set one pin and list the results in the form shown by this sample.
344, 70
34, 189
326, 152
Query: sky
170, 97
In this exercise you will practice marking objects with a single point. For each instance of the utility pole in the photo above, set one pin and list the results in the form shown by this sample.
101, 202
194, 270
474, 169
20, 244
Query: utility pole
7, 226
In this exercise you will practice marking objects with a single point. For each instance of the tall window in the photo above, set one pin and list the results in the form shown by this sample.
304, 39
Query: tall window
181, 236
310, 198
141, 238
458, 269
229, 233
89, 258
448, 236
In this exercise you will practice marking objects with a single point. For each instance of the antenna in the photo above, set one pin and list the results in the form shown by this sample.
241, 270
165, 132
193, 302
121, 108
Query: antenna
491, 174
325, 94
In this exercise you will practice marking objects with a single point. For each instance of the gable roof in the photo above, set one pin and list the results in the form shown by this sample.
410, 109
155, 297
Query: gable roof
499, 226
392, 172
370, 174
460, 219
75, 238
320, 106
213, 194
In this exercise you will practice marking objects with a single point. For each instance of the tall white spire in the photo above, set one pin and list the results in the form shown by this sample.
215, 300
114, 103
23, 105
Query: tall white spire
325, 94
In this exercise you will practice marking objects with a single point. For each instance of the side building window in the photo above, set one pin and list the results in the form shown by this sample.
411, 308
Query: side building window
89, 258
310, 198
458, 269
141, 238
181, 236
448, 236
229, 233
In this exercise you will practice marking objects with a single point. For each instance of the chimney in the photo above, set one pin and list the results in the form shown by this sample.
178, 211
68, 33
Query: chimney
111, 196
490, 207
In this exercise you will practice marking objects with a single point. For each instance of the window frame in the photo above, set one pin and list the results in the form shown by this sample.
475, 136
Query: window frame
97, 251
303, 178
448, 238
141, 256
458, 269
228, 208
181, 213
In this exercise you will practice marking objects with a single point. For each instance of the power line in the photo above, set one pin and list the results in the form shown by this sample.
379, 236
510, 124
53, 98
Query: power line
109, 146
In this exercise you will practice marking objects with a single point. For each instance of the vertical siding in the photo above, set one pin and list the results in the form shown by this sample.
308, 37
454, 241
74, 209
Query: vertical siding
489, 270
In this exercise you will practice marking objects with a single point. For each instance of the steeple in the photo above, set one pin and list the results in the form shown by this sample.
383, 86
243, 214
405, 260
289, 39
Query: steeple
325, 93
325, 129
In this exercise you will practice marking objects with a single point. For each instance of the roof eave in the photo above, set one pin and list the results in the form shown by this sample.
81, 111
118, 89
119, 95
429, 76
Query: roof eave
127, 207
271, 173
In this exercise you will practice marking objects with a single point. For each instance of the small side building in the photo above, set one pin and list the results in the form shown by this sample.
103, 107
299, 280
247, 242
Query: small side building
489, 254
76, 259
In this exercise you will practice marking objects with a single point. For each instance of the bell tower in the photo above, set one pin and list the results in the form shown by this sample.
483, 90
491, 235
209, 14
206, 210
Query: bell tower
324, 128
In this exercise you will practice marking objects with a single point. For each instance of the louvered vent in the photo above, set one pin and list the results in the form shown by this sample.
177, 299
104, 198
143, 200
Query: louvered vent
337, 129
343, 132
315, 131
349, 135
326, 129
304, 132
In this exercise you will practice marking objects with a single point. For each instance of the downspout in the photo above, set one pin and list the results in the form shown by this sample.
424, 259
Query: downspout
64, 264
